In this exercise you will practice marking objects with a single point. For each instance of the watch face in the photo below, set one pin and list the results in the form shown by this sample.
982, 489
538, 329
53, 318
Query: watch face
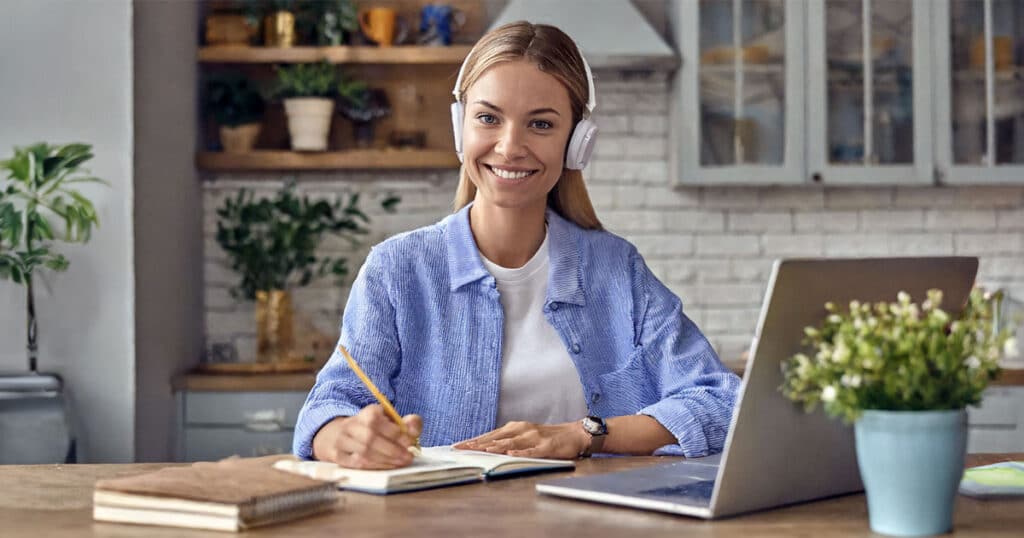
595, 426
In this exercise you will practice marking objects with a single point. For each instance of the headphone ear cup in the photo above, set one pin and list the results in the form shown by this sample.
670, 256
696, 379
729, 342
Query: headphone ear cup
581, 145
457, 117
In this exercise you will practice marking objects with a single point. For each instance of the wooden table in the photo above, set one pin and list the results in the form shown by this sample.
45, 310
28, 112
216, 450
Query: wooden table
39, 501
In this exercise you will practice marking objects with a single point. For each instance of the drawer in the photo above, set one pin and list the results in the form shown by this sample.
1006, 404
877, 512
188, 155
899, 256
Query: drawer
980, 440
210, 444
265, 411
1000, 406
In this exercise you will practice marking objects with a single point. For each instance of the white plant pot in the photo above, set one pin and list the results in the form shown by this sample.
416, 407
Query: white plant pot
309, 122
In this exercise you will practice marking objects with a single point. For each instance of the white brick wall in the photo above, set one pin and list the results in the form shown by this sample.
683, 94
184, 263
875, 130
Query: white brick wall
713, 246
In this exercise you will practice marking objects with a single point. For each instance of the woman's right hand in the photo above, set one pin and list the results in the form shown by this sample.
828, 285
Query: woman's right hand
368, 440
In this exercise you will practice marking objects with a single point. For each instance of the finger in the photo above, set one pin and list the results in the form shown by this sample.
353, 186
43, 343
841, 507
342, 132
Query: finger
510, 429
358, 461
381, 438
414, 423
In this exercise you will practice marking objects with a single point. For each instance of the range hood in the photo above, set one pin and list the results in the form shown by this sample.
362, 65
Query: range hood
611, 33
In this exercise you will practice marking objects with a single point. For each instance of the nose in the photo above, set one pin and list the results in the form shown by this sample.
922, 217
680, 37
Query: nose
512, 142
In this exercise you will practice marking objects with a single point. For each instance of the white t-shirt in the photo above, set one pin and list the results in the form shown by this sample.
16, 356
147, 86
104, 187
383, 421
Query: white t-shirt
539, 382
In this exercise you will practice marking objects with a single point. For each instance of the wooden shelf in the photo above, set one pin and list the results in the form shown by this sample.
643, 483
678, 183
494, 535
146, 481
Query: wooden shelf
330, 160
453, 54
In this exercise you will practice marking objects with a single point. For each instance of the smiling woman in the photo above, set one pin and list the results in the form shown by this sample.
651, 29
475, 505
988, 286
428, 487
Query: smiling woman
556, 341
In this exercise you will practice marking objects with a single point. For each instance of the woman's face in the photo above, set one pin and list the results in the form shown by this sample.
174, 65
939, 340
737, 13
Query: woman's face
518, 121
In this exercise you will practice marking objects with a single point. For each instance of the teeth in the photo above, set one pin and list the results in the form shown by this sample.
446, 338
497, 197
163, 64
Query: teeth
508, 174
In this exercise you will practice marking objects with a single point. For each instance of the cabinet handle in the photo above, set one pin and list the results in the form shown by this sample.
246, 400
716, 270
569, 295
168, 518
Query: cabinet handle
264, 420
816, 177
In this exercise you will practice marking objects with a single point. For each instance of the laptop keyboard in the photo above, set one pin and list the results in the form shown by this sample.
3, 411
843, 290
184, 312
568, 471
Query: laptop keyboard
700, 490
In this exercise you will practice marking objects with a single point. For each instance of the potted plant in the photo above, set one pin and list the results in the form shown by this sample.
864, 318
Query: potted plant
335, 21
903, 373
272, 244
308, 91
41, 190
236, 104
362, 106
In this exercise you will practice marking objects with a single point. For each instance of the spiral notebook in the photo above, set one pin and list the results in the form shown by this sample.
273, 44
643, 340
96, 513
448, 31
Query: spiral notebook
229, 495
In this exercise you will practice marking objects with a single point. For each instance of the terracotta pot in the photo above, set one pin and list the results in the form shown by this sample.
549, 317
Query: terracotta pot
309, 122
273, 325
239, 139
225, 29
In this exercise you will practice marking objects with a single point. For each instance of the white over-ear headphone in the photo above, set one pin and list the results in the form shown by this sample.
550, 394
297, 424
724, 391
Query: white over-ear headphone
584, 135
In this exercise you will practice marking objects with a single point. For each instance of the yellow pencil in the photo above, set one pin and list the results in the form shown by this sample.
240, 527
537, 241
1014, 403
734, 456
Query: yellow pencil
388, 408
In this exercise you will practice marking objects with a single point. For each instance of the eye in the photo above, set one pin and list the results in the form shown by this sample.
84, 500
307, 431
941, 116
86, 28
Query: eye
488, 119
541, 124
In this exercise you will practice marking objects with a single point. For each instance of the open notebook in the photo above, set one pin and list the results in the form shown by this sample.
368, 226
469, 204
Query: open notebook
434, 467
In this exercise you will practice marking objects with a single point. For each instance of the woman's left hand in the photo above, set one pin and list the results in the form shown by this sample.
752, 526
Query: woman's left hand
526, 439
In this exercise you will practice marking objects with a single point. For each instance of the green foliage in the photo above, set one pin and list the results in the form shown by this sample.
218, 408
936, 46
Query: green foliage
40, 186
898, 357
307, 80
336, 21
233, 99
272, 242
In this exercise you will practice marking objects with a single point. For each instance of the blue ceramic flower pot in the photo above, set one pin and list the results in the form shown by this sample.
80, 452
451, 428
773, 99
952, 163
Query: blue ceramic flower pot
911, 463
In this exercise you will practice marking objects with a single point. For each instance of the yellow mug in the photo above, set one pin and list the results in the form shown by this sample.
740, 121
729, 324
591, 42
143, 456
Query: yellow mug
379, 24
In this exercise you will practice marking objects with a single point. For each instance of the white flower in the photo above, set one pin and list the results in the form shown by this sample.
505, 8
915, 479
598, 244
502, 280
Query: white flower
858, 324
851, 380
842, 352
903, 297
1010, 349
834, 318
828, 394
867, 363
972, 362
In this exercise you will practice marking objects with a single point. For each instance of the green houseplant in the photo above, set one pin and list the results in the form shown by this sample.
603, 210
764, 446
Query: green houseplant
235, 103
308, 91
41, 190
272, 244
903, 373
362, 106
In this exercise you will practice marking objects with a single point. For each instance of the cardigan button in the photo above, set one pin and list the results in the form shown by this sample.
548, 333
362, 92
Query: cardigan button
554, 306
575, 348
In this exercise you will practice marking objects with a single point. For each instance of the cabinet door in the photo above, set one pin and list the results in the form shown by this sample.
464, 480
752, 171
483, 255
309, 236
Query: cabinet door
869, 100
739, 93
979, 80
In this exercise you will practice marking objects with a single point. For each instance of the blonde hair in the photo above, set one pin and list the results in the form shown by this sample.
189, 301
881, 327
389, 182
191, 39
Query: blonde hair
556, 54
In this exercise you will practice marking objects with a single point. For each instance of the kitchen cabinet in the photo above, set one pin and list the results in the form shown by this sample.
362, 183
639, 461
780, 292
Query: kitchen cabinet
849, 92
997, 425
217, 424
979, 85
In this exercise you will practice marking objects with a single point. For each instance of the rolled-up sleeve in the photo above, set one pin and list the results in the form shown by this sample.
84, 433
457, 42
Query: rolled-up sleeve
697, 391
369, 333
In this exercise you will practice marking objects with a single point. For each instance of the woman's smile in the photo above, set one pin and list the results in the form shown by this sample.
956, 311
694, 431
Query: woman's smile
510, 176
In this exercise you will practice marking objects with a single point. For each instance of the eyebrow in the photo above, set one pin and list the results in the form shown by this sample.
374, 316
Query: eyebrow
536, 111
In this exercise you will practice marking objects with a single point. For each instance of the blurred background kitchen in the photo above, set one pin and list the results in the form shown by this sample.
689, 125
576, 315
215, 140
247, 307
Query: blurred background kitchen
733, 132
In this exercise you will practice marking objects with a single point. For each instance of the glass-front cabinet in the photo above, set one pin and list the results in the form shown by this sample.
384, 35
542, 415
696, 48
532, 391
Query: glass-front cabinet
744, 81
895, 92
980, 91
869, 96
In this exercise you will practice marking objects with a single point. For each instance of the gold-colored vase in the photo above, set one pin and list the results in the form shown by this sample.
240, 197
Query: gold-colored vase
279, 29
273, 325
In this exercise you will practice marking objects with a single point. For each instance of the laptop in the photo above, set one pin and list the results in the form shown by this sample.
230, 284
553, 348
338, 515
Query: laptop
775, 454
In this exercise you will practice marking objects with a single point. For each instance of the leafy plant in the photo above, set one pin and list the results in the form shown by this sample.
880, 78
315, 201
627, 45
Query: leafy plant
40, 186
360, 103
233, 99
272, 242
898, 356
307, 80
336, 21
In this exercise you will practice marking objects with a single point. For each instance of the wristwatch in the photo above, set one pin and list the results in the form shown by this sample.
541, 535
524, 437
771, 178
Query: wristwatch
598, 430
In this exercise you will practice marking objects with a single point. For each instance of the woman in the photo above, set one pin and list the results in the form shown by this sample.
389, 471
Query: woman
517, 312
